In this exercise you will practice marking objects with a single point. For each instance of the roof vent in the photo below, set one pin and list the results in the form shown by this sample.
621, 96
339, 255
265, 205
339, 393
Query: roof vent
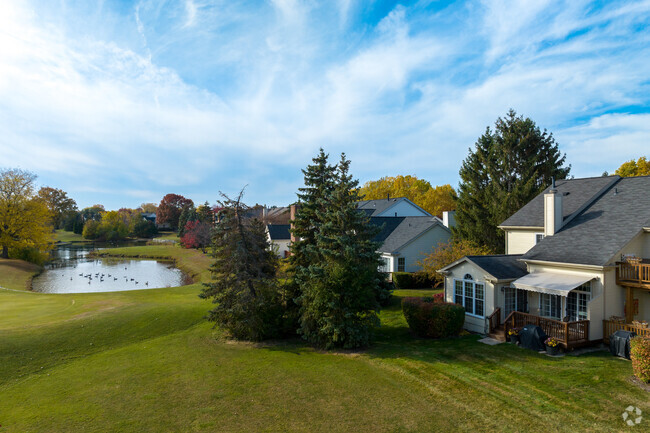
615, 191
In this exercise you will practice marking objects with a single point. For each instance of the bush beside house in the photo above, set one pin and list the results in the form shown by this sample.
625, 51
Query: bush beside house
410, 280
428, 317
640, 355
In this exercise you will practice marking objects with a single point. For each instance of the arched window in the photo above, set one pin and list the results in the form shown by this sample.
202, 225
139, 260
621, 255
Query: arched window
468, 277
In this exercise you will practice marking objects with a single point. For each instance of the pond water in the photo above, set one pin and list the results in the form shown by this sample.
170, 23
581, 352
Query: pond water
72, 271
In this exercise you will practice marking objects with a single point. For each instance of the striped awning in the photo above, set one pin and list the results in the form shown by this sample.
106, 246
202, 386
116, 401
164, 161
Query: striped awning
551, 283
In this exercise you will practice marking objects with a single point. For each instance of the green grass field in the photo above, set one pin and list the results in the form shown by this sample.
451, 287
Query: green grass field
64, 236
147, 361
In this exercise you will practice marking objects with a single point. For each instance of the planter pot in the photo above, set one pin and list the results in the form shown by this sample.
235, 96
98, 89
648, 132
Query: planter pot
553, 350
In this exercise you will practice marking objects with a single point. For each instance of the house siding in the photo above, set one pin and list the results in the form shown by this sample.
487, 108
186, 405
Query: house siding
421, 247
520, 241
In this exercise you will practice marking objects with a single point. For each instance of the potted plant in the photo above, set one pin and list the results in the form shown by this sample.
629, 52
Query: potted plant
513, 334
552, 346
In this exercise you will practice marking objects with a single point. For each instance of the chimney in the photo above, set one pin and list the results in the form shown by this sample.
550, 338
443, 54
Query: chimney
388, 196
552, 211
449, 218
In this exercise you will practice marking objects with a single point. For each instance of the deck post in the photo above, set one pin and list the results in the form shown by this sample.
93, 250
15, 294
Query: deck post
629, 305
566, 334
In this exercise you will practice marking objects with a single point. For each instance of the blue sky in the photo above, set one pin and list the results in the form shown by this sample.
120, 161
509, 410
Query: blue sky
121, 102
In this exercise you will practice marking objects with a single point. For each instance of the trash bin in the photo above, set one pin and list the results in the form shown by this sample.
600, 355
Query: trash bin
619, 343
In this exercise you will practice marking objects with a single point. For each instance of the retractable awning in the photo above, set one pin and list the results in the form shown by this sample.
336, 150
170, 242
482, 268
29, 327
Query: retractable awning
547, 282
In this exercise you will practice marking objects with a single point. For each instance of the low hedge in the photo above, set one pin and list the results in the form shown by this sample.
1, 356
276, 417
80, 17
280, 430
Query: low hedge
411, 280
430, 318
640, 355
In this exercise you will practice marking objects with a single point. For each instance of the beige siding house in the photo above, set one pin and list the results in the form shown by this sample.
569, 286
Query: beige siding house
585, 248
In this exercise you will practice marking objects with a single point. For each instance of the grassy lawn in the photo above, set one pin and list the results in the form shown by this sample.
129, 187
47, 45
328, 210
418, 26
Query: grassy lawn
146, 361
64, 236
168, 236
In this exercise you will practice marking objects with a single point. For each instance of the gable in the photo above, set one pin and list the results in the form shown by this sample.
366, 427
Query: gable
391, 207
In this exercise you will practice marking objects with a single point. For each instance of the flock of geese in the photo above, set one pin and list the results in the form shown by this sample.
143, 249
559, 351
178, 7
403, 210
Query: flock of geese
101, 276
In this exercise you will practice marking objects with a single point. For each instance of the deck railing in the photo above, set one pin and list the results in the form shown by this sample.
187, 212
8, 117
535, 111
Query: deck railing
569, 334
637, 274
611, 326
495, 319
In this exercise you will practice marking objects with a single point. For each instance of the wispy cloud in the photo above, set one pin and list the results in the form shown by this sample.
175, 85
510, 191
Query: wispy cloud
194, 96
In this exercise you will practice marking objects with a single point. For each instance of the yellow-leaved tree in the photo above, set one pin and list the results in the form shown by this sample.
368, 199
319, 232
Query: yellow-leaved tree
434, 200
641, 167
25, 220
447, 253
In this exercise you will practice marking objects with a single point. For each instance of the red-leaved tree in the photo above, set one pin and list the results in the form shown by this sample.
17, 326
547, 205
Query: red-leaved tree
170, 208
197, 235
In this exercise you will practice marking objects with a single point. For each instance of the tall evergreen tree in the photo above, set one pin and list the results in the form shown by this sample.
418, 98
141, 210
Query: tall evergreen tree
243, 288
508, 167
187, 214
313, 200
335, 260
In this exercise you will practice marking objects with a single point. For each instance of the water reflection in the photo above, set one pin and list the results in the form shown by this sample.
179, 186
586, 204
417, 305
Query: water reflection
72, 271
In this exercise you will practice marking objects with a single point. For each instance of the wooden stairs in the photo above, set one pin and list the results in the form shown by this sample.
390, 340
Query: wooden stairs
498, 333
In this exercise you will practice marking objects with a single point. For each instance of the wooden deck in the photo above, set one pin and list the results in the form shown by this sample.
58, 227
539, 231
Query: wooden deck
569, 334
610, 326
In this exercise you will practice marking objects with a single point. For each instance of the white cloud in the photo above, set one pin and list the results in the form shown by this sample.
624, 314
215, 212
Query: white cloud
212, 93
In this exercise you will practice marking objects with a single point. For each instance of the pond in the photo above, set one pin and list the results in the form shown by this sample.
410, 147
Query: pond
72, 271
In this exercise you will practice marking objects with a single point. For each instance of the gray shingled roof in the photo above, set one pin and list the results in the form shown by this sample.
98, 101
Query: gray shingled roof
398, 231
576, 193
602, 229
502, 267
279, 232
375, 207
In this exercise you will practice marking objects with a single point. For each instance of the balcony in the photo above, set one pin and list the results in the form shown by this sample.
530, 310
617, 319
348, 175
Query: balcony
633, 273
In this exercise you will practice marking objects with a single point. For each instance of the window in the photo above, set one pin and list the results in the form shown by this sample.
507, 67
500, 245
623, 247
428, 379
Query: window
468, 277
550, 305
470, 295
576, 302
401, 264
538, 237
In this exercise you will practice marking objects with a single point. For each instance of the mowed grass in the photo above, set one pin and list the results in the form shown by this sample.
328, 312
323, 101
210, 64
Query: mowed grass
147, 361
17, 274
64, 236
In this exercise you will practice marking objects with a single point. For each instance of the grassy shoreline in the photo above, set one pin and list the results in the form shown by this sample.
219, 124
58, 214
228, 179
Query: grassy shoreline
147, 361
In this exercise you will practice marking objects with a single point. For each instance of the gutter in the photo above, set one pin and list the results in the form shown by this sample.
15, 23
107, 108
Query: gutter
565, 265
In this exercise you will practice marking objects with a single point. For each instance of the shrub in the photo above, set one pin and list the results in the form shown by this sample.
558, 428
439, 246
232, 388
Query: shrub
404, 280
428, 318
640, 355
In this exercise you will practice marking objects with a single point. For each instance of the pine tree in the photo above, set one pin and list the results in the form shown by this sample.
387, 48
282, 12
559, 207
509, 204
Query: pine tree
508, 167
336, 267
187, 214
244, 287
313, 200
